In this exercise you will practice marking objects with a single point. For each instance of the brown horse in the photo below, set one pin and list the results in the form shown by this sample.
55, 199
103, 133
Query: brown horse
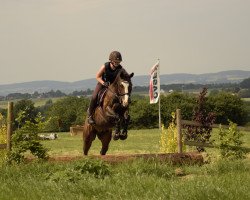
111, 112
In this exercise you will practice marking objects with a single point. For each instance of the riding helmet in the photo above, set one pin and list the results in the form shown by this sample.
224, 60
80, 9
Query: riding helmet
115, 56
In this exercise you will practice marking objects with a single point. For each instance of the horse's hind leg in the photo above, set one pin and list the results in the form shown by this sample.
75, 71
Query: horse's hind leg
88, 139
105, 139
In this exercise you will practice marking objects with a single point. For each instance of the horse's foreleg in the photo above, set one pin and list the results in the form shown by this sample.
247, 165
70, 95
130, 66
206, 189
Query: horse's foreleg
117, 130
105, 139
87, 142
125, 123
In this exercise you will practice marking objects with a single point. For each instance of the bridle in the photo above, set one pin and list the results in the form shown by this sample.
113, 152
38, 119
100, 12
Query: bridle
119, 94
123, 94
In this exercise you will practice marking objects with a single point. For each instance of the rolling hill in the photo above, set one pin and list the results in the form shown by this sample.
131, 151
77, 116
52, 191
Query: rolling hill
67, 87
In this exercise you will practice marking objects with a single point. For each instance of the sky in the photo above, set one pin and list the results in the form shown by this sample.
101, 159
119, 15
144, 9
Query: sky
69, 40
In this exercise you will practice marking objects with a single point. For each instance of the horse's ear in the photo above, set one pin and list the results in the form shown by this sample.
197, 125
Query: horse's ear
131, 75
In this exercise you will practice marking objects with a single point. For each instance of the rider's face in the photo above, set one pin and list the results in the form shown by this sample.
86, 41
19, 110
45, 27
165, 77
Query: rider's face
116, 63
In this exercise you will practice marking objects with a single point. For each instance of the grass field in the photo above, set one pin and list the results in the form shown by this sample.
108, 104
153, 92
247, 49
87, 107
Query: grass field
139, 179
133, 180
138, 141
37, 102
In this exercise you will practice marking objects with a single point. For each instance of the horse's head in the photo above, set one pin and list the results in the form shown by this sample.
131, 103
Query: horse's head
124, 87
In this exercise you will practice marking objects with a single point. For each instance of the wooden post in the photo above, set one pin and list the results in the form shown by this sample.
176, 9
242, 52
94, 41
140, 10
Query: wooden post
9, 125
179, 134
159, 111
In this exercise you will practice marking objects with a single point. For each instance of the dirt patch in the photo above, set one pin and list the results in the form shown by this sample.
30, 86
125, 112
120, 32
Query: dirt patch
173, 158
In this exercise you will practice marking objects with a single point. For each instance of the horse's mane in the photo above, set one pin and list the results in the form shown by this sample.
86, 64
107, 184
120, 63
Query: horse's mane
122, 74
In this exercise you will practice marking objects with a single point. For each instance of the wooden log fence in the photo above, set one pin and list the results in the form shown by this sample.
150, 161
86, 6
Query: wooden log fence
180, 123
9, 128
76, 130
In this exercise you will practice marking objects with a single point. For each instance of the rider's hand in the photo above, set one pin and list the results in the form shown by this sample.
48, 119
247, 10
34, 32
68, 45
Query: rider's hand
106, 84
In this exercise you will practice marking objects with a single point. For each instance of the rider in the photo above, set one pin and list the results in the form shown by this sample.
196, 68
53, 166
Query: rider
105, 76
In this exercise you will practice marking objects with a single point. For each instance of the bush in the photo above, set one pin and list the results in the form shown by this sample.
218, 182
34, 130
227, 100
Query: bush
3, 130
168, 141
230, 142
26, 139
81, 170
3, 133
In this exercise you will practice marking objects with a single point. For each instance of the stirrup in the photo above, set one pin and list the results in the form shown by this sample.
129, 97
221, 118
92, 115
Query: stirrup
91, 120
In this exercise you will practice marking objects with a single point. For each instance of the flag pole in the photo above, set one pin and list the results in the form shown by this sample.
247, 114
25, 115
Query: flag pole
159, 103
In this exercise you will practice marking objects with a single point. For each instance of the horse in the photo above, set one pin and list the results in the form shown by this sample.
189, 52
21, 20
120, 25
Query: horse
112, 111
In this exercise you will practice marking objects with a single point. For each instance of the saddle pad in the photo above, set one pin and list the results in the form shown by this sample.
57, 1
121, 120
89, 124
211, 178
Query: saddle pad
101, 95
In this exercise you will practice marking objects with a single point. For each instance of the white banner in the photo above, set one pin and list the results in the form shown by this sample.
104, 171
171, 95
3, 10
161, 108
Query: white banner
154, 84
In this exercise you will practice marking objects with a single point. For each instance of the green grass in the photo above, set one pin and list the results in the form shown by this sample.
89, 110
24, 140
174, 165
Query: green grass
4, 104
132, 180
42, 101
139, 179
138, 141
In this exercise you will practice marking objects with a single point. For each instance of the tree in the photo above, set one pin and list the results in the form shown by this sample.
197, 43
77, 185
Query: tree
143, 114
245, 83
67, 112
227, 107
43, 109
175, 100
202, 116
35, 94
28, 109
245, 93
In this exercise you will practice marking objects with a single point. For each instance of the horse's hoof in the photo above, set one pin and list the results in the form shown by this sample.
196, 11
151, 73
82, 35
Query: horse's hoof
123, 136
116, 136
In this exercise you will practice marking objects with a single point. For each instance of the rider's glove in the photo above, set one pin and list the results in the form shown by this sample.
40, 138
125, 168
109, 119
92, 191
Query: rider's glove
106, 84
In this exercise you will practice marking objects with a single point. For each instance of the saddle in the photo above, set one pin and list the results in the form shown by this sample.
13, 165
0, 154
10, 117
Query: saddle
100, 98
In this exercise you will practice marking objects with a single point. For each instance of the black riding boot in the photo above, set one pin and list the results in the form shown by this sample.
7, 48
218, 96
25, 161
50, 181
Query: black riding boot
91, 112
